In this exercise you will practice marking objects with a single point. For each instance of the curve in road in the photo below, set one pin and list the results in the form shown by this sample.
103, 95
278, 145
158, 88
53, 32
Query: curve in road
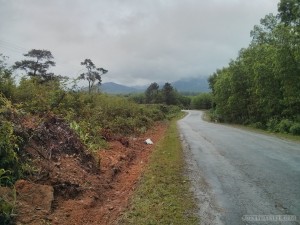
236, 173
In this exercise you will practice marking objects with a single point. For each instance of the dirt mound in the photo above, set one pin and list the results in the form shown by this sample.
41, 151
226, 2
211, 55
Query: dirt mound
84, 190
53, 139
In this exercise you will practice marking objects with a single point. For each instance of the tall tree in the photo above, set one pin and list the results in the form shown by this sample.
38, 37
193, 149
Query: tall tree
289, 12
93, 73
169, 94
152, 93
263, 84
37, 65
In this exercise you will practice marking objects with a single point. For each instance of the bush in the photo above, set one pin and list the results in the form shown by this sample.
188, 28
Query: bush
284, 126
6, 209
9, 163
272, 125
295, 129
258, 125
202, 101
214, 116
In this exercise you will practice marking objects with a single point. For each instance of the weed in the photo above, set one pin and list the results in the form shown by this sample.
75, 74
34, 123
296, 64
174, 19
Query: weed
163, 195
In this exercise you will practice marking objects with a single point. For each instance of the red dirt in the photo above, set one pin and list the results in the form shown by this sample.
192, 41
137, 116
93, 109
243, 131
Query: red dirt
82, 192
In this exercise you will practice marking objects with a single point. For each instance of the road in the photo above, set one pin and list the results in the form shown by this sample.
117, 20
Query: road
236, 173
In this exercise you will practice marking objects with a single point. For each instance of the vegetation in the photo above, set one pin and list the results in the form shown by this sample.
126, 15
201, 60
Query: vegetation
95, 117
93, 73
261, 87
166, 95
162, 196
202, 101
38, 65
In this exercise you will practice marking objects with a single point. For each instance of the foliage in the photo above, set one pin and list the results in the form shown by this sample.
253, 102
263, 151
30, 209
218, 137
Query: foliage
36, 97
152, 94
93, 73
88, 135
163, 195
38, 65
295, 129
6, 211
10, 167
166, 95
202, 101
284, 126
25, 107
169, 95
262, 86
7, 84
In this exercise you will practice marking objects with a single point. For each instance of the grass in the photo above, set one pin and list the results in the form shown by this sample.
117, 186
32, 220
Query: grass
289, 137
284, 136
163, 195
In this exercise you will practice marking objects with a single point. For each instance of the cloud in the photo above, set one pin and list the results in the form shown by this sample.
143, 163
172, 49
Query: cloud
137, 41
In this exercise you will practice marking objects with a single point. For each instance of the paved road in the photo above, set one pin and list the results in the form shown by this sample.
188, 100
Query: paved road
237, 173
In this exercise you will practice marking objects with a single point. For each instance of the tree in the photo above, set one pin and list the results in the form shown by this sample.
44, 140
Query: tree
152, 93
38, 66
202, 101
93, 73
263, 33
289, 12
169, 94
7, 84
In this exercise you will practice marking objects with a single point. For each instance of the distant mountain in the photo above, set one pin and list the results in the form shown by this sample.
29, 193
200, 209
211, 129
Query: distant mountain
182, 85
113, 88
192, 85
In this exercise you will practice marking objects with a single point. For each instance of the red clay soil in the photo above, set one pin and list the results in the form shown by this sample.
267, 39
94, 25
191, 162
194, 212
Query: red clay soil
70, 190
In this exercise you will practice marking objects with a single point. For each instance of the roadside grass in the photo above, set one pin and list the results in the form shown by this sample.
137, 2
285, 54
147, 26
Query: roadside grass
283, 136
163, 195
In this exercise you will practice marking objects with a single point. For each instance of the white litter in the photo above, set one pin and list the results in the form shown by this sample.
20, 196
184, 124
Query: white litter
149, 142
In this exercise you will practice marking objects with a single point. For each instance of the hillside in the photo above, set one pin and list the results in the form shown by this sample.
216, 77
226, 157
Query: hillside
191, 85
114, 88
182, 85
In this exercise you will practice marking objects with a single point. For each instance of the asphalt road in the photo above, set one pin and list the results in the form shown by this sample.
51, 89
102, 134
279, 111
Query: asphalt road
237, 173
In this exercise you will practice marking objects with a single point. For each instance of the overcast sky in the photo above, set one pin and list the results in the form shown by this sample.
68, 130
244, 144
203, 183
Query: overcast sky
137, 41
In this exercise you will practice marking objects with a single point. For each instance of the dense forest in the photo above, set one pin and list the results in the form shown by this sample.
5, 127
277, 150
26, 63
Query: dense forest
261, 87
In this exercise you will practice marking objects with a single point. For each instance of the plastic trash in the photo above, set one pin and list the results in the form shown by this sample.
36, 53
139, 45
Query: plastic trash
149, 142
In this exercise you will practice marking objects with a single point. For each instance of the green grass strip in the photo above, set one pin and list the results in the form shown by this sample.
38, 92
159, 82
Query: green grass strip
163, 195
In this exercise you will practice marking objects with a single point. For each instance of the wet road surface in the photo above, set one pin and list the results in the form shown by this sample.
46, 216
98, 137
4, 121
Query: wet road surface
236, 173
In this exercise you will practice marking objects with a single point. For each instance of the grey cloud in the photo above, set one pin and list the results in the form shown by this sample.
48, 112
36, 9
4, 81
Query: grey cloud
137, 41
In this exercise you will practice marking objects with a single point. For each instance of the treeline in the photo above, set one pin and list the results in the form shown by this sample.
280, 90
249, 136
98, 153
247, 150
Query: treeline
262, 86
168, 95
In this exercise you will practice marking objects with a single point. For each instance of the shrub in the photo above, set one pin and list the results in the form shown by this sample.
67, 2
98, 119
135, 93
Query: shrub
8, 154
6, 211
202, 101
272, 125
284, 126
258, 125
295, 129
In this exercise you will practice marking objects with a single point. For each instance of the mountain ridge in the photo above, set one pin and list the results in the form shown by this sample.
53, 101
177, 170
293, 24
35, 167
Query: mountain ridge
183, 85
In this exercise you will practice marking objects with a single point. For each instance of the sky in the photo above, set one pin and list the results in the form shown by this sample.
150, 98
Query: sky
137, 41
